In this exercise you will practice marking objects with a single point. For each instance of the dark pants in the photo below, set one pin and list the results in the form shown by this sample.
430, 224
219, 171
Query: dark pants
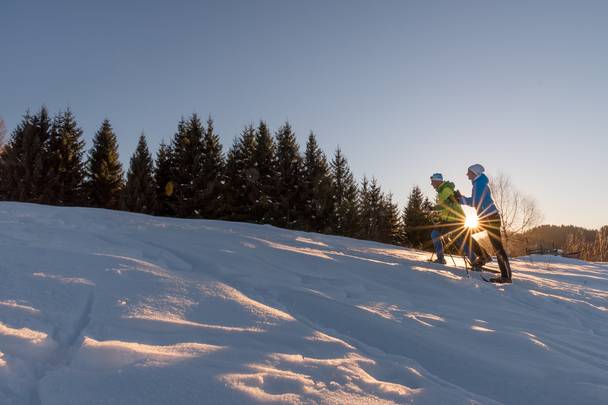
492, 224
461, 238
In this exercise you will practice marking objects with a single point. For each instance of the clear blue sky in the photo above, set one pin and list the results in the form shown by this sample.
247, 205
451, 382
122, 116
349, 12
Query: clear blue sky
406, 88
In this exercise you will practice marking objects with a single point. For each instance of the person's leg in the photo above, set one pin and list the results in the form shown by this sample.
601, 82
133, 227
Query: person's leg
492, 226
459, 238
465, 247
437, 243
503, 261
479, 251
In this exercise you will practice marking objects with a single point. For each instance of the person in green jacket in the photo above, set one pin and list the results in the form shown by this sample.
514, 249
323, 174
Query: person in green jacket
449, 217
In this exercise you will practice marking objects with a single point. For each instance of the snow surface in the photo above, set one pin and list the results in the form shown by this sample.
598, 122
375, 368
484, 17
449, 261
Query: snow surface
102, 307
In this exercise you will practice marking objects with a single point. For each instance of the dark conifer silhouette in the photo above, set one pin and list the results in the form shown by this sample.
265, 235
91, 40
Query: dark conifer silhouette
25, 159
289, 193
66, 165
417, 219
345, 197
265, 165
390, 223
139, 194
104, 170
163, 181
241, 177
186, 163
263, 179
318, 206
370, 207
210, 182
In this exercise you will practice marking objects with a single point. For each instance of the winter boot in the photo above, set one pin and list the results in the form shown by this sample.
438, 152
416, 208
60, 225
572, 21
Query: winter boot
500, 280
440, 260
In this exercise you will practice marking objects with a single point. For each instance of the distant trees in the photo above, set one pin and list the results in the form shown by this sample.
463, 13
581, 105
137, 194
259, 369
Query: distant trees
599, 250
595, 249
586, 243
263, 178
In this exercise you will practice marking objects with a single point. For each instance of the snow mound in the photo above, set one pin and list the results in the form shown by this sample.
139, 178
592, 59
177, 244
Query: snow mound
102, 307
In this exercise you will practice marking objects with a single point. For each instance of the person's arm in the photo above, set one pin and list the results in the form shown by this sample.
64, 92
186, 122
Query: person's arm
436, 209
443, 203
464, 200
480, 193
443, 196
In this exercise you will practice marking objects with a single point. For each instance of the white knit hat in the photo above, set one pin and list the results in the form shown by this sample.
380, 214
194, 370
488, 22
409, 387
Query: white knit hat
477, 169
437, 176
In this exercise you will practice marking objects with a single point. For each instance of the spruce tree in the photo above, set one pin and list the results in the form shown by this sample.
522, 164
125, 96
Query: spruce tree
2, 134
11, 182
241, 177
42, 125
265, 165
211, 180
163, 181
390, 222
2, 151
66, 166
186, 160
317, 188
376, 199
344, 196
25, 159
367, 212
104, 170
371, 210
417, 219
289, 180
140, 193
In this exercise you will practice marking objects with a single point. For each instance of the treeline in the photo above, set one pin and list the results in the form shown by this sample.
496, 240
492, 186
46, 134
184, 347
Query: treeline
595, 250
592, 245
263, 178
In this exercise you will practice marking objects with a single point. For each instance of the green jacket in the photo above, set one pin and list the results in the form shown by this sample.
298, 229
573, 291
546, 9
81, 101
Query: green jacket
448, 208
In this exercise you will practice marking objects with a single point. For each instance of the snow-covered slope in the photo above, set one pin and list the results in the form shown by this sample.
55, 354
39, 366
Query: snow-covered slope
101, 307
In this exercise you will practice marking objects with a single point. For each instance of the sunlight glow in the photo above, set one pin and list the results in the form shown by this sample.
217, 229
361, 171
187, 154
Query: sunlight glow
471, 221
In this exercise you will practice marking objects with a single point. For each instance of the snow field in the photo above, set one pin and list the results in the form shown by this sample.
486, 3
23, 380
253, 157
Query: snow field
102, 307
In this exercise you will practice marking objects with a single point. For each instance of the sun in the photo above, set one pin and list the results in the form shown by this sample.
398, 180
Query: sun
471, 221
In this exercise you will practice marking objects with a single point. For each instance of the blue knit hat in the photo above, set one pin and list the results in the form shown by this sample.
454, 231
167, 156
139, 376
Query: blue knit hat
477, 169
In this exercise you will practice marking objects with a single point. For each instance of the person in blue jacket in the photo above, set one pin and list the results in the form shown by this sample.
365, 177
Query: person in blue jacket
489, 218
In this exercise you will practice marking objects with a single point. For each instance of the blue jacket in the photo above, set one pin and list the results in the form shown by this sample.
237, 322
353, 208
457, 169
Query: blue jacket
481, 198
